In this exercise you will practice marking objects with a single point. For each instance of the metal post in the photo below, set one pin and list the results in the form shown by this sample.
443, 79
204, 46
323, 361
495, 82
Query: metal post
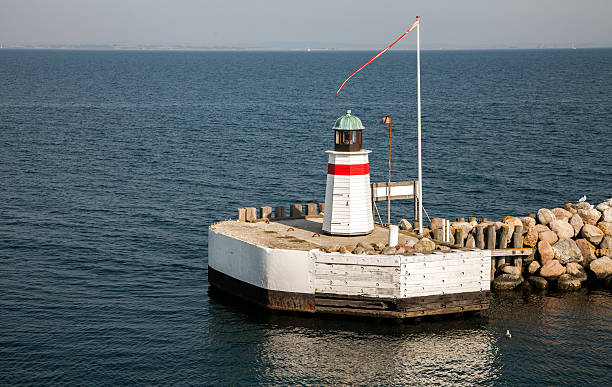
419, 126
389, 186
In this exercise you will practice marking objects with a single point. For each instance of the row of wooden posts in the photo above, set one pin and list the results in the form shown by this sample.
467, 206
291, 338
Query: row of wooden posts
253, 214
486, 235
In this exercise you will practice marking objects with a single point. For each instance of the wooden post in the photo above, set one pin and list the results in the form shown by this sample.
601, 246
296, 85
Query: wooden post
471, 219
414, 191
265, 212
517, 237
518, 262
321, 207
296, 210
242, 214
493, 268
480, 237
503, 237
311, 209
251, 214
460, 237
491, 237
460, 219
279, 211
482, 220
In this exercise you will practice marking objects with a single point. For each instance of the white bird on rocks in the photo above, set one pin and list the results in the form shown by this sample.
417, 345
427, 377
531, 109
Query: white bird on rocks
508, 335
582, 199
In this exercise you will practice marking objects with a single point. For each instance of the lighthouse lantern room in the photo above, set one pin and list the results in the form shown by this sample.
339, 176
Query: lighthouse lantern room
348, 203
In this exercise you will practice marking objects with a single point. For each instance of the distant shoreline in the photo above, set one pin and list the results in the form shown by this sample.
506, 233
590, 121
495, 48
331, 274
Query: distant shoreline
269, 49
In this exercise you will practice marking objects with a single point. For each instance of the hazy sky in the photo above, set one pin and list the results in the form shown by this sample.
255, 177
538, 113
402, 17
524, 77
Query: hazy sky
317, 23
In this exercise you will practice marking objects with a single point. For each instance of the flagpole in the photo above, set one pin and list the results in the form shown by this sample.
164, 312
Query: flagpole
419, 126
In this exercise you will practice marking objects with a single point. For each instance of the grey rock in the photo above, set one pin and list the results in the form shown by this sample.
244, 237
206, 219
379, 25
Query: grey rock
424, 245
562, 228
576, 270
533, 267
389, 250
568, 282
405, 225
507, 282
359, 250
606, 242
577, 223
607, 215
538, 282
545, 216
602, 267
511, 270
592, 233
601, 207
411, 241
566, 250
528, 222
552, 269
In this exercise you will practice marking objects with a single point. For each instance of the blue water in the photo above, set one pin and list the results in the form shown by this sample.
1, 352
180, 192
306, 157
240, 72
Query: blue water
113, 164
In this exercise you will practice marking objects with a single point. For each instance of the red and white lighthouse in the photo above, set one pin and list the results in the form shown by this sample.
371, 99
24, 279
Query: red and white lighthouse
348, 197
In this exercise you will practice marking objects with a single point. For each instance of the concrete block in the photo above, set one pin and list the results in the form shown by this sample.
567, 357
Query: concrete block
279, 212
311, 209
251, 214
265, 212
296, 210
242, 214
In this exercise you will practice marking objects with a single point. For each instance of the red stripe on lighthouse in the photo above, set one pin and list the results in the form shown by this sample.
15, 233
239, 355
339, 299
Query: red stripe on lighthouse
348, 170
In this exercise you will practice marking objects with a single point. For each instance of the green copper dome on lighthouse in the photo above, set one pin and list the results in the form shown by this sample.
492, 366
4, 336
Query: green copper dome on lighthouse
348, 122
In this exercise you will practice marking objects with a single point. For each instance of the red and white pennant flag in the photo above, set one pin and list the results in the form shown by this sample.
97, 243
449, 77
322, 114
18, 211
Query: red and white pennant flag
413, 26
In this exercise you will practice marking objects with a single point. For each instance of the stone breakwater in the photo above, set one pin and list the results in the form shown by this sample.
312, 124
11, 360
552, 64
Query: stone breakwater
572, 247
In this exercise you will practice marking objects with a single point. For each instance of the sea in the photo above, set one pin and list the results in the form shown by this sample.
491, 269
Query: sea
113, 164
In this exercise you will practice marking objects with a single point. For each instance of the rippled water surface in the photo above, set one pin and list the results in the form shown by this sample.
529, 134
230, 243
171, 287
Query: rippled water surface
113, 164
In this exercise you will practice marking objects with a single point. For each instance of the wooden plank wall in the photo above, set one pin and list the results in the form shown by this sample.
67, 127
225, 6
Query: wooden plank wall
402, 276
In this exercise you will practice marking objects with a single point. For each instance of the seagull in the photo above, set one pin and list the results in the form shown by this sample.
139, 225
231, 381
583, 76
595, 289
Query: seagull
582, 199
508, 335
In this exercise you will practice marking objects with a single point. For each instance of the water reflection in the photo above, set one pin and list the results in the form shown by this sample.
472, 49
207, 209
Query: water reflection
285, 349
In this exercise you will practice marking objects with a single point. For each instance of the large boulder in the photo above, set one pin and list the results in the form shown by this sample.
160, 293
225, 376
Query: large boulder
605, 227
424, 245
606, 243
405, 225
463, 225
540, 228
552, 269
568, 283
561, 214
507, 282
589, 216
562, 228
570, 208
528, 222
545, 216
549, 236
546, 252
601, 207
587, 250
577, 223
574, 269
410, 241
533, 267
607, 215
566, 251
513, 221
592, 233
538, 282
582, 206
531, 237
602, 267
514, 270
436, 223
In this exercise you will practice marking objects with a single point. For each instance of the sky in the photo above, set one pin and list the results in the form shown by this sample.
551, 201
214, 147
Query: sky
357, 24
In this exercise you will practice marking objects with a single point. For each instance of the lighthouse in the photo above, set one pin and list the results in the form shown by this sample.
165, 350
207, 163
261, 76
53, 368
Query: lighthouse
348, 200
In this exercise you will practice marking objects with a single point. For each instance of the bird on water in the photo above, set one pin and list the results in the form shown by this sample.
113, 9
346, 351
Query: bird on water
508, 335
